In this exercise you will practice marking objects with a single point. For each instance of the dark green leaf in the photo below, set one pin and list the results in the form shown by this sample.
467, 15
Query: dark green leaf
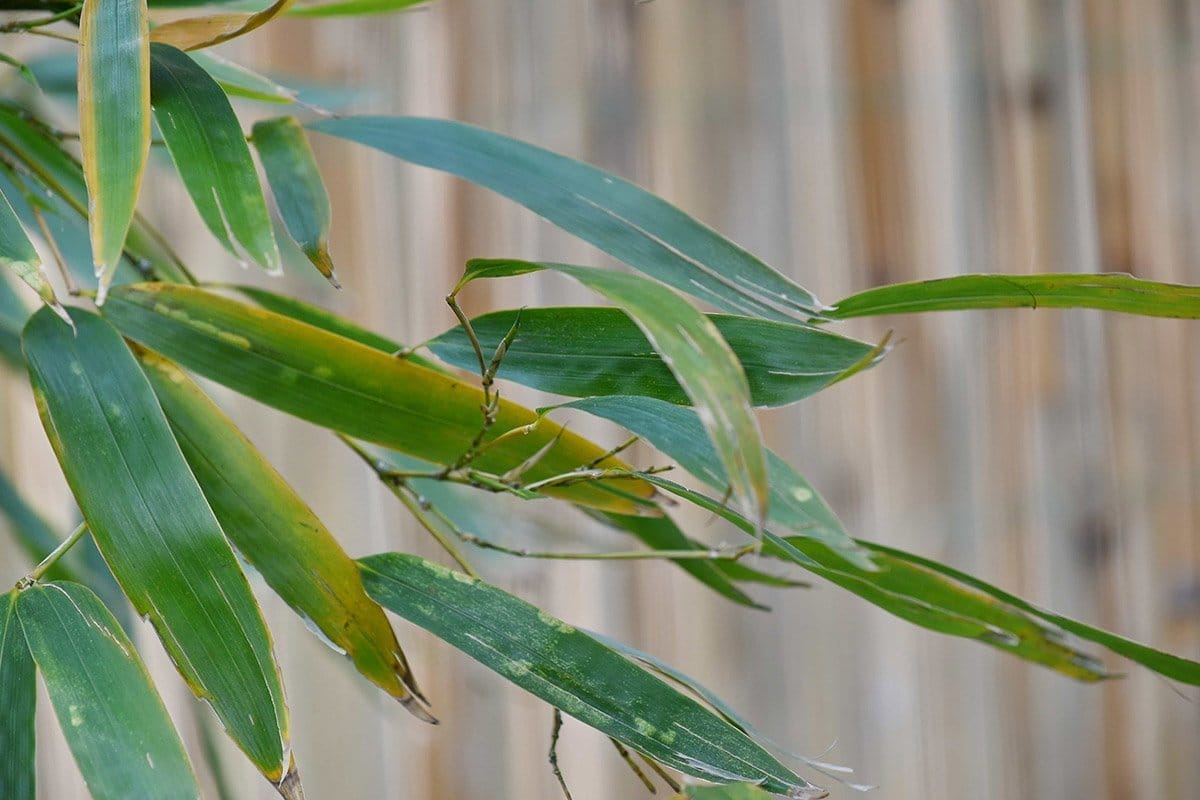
621, 219
340, 384
575, 672
113, 719
1113, 291
18, 698
154, 526
18, 254
588, 351
210, 151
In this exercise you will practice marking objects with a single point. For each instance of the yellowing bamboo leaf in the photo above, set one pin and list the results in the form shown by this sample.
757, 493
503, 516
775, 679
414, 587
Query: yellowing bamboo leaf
195, 33
114, 122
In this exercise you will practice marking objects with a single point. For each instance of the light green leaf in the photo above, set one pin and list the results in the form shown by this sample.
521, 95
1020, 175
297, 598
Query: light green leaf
621, 219
354, 8
299, 191
733, 791
209, 150
113, 719
241, 81
19, 255
677, 432
114, 121
18, 699
588, 351
692, 348
22, 69
574, 672
155, 528
340, 384
276, 532
1112, 291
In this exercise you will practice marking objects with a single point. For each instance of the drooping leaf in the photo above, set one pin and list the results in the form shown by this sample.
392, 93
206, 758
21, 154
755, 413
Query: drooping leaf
574, 672
18, 698
677, 432
19, 255
732, 791
276, 532
1112, 291
340, 384
621, 219
195, 33
353, 8
241, 81
588, 351
22, 69
692, 348
210, 152
299, 191
32, 533
114, 121
113, 719
155, 528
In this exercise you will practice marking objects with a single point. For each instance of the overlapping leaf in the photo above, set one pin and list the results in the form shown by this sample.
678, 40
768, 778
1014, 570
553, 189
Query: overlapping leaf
1113, 291
18, 254
575, 672
195, 33
210, 152
113, 719
276, 532
18, 697
155, 528
692, 348
353, 8
621, 219
114, 121
340, 384
241, 81
296, 184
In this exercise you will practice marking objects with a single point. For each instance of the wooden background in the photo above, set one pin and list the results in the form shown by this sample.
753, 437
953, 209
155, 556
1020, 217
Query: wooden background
848, 143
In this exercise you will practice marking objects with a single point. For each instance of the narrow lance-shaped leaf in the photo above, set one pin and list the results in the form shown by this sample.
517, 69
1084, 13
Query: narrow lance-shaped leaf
692, 347
623, 220
114, 121
276, 532
588, 351
18, 698
574, 672
19, 255
113, 719
195, 33
354, 8
677, 432
1112, 291
338, 383
155, 528
210, 152
240, 81
299, 191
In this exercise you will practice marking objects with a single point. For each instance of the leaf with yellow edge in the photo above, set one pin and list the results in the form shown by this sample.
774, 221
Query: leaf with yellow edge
114, 122
276, 532
195, 33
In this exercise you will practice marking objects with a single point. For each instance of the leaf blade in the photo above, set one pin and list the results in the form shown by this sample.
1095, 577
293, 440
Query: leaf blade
18, 700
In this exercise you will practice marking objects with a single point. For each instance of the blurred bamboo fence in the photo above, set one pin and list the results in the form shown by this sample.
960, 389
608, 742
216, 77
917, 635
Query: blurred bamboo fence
849, 143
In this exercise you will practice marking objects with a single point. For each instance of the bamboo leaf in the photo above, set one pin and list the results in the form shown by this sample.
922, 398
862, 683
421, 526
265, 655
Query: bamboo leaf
337, 383
588, 351
155, 528
18, 699
114, 121
210, 152
354, 8
573, 671
113, 719
733, 791
19, 255
299, 191
677, 432
241, 81
692, 347
621, 219
276, 532
1112, 291
195, 33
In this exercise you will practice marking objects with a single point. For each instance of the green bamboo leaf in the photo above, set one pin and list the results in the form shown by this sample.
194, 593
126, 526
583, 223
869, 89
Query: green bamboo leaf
677, 432
19, 255
733, 791
113, 719
13, 314
692, 348
155, 528
276, 532
354, 8
240, 81
114, 121
621, 219
1112, 291
573, 671
32, 533
588, 351
299, 191
340, 384
210, 152
18, 698
22, 69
